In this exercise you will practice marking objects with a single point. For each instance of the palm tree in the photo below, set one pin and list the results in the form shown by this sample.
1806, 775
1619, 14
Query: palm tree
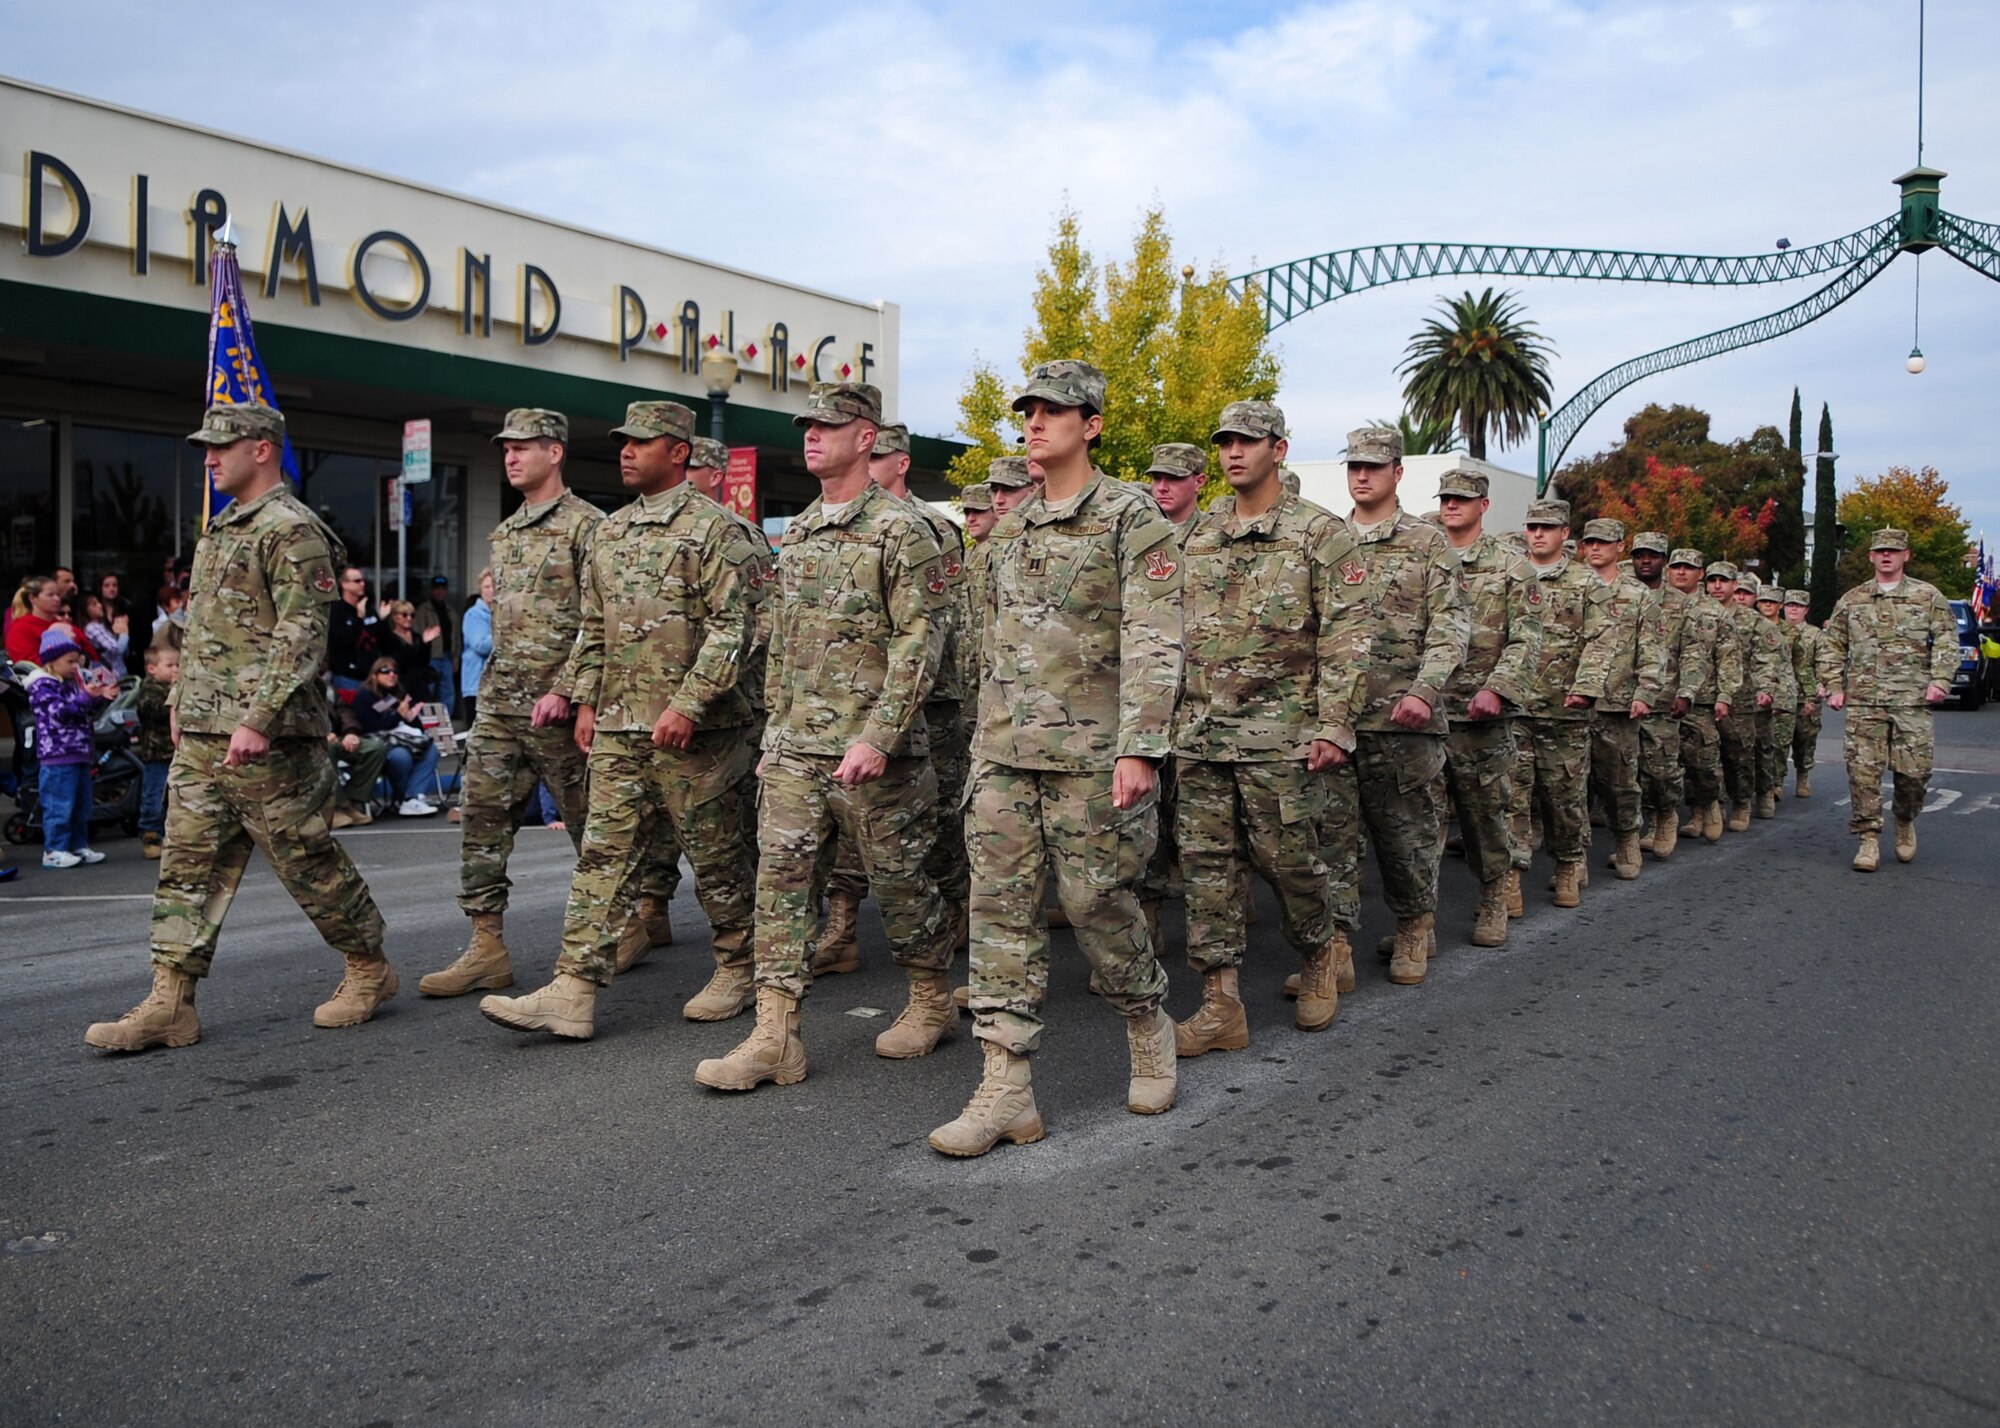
1485, 370
1422, 438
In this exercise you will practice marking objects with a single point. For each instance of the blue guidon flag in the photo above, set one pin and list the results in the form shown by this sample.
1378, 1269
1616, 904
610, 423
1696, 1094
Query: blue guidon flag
235, 371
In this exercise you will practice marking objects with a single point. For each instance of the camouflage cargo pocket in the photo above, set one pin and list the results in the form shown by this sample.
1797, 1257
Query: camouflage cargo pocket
1120, 840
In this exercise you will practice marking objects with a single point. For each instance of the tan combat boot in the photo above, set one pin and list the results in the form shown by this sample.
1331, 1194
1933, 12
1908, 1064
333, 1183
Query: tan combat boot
165, 1018
928, 1019
482, 967
1711, 822
1155, 1071
1739, 818
1569, 885
1517, 906
1219, 1023
370, 981
657, 914
1001, 1108
1385, 947
1319, 989
961, 997
772, 1051
1489, 921
1626, 860
1343, 962
729, 993
566, 1007
1804, 788
839, 948
1767, 805
1906, 839
1868, 857
1666, 836
1416, 943
635, 945
151, 846
1695, 819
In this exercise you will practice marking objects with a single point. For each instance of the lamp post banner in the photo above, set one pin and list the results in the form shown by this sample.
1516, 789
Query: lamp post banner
739, 482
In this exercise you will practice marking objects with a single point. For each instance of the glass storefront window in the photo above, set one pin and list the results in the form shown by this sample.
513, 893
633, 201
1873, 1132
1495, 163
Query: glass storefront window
351, 494
27, 502
138, 507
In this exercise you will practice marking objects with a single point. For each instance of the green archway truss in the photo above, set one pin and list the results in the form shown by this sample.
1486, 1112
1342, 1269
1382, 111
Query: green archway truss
1290, 290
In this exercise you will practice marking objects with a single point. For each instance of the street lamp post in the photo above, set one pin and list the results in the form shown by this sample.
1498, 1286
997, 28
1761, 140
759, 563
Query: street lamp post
718, 372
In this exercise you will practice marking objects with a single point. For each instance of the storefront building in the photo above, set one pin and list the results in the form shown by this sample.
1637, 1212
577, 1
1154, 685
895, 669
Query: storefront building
375, 302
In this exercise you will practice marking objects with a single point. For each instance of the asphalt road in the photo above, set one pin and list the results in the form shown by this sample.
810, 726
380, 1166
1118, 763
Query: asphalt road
1720, 1147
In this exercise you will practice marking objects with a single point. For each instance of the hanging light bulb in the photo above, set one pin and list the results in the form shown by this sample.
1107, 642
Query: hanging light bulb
1915, 365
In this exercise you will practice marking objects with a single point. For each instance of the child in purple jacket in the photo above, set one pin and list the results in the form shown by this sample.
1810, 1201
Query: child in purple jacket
65, 708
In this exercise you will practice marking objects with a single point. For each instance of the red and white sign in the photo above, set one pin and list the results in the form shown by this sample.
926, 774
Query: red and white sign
739, 482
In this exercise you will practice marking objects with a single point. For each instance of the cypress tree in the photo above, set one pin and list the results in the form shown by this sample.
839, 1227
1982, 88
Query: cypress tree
1796, 490
1826, 555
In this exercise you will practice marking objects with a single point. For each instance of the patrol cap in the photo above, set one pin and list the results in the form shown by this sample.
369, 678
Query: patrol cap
892, 440
1747, 581
1464, 481
1889, 538
228, 422
1770, 594
1655, 541
1009, 471
1251, 419
1686, 555
838, 403
1604, 528
649, 421
1548, 511
1177, 458
1720, 569
532, 423
709, 454
1375, 445
976, 497
1067, 383
1798, 597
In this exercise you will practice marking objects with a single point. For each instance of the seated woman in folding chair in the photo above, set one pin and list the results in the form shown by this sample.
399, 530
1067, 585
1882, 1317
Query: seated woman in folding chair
381, 709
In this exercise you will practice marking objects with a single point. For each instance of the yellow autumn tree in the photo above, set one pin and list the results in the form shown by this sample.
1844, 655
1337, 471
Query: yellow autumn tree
1175, 346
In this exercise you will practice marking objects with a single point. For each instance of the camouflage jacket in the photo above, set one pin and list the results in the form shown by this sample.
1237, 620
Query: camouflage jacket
1784, 685
754, 663
1574, 644
1711, 654
1186, 529
539, 555
1686, 655
1494, 580
155, 744
1805, 660
859, 633
1082, 618
949, 684
1639, 665
972, 633
265, 572
1407, 574
669, 603
1277, 647
1760, 658
1883, 646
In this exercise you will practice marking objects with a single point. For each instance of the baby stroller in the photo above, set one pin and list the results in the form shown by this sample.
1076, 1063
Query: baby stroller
116, 777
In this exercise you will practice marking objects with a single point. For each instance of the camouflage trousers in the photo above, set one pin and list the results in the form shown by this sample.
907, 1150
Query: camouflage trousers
1479, 766
1701, 755
1661, 783
1805, 740
944, 859
634, 787
890, 823
1614, 767
216, 814
1019, 822
1340, 844
1898, 741
1739, 752
1401, 781
1238, 816
504, 759
1163, 869
660, 871
1774, 747
1552, 773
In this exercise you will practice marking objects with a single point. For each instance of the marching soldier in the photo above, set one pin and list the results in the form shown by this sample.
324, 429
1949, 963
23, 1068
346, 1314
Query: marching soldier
539, 554
1768, 663
976, 501
1636, 682
854, 649
1662, 784
1805, 655
1711, 671
1887, 656
1738, 730
1775, 725
251, 767
1177, 474
653, 682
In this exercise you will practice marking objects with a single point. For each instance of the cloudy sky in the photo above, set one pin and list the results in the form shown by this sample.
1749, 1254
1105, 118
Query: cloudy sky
920, 152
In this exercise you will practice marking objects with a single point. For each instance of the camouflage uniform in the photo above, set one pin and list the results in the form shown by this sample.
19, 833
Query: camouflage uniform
1407, 575
1163, 872
1277, 655
1880, 648
1805, 660
265, 573
857, 641
1661, 784
539, 554
669, 609
1082, 619
1480, 753
1711, 671
1637, 672
1570, 654
1774, 725
1739, 730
